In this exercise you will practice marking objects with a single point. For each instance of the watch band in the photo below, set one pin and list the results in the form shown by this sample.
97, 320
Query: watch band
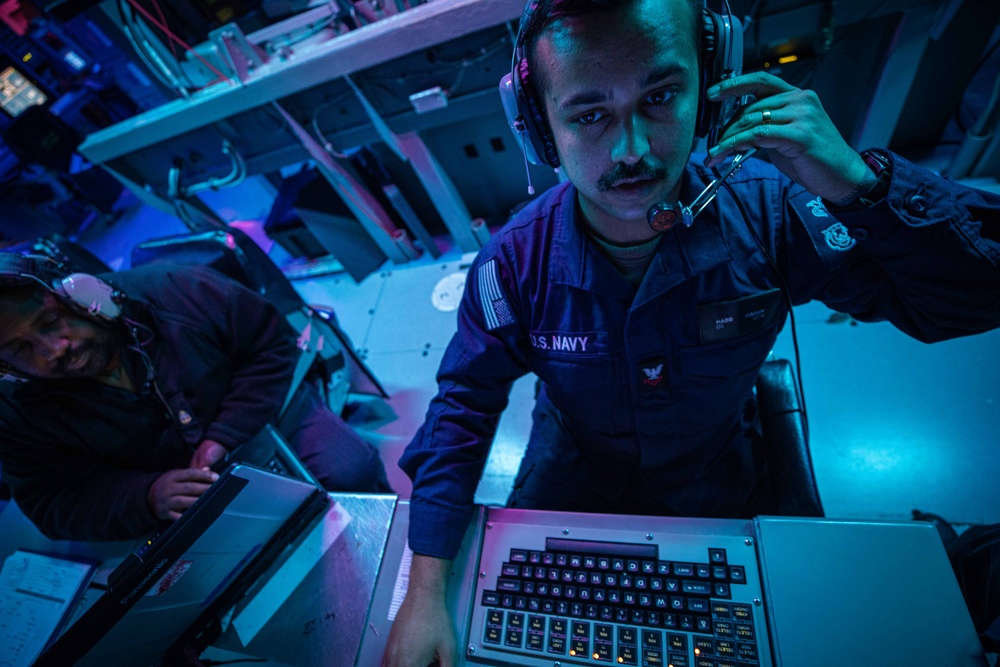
880, 162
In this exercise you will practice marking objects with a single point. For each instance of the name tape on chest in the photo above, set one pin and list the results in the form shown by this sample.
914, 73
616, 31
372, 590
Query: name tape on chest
592, 343
730, 319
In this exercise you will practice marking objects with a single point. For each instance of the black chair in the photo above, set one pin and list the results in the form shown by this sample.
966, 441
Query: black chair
786, 441
230, 252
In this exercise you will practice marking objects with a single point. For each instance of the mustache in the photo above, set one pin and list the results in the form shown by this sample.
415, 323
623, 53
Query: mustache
640, 171
63, 362
70, 356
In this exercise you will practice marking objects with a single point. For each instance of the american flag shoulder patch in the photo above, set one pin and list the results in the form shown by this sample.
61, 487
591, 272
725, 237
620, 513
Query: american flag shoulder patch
496, 309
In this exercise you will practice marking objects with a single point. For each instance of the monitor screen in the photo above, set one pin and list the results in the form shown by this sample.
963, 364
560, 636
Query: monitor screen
17, 92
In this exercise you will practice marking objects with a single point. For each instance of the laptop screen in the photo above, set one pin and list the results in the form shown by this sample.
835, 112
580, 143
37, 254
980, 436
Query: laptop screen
244, 519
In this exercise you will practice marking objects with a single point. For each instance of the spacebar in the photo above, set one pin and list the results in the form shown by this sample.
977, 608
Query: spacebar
624, 549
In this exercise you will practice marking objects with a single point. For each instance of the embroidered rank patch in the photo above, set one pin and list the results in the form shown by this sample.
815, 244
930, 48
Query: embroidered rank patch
837, 238
652, 374
496, 308
833, 243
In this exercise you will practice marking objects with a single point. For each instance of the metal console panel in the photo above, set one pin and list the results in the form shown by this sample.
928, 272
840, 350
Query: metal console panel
628, 590
305, 104
313, 607
394, 577
422, 26
862, 593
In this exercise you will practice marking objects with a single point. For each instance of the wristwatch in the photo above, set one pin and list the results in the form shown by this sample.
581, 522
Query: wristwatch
880, 162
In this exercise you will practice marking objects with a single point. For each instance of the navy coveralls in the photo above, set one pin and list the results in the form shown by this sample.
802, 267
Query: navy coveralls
80, 456
647, 395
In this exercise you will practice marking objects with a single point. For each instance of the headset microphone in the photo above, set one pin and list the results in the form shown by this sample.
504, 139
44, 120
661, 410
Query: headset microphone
661, 216
724, 60
518, 126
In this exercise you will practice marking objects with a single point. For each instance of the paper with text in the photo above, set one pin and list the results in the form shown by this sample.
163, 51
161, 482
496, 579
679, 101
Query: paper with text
36, 594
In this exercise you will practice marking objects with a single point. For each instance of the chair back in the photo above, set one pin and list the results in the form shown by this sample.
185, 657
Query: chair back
233, 253
786, 441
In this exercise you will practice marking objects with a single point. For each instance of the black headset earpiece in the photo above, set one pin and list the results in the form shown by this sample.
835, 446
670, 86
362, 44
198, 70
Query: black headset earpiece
710, 64
720, 55
81, 291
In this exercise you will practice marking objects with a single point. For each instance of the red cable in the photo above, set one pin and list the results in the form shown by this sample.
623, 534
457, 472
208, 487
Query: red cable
163, 18
177, 39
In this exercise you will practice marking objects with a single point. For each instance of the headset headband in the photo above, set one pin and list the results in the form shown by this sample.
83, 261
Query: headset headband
19, 269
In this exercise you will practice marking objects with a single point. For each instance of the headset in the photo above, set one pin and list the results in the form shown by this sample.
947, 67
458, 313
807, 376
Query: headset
720, 56
82, 292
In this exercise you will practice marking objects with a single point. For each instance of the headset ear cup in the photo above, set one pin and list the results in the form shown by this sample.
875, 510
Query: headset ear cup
90, 294
508, 99
712, 55
540, 147
533, 113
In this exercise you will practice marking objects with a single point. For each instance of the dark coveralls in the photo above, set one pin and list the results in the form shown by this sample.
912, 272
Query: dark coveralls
646, 399
80, 456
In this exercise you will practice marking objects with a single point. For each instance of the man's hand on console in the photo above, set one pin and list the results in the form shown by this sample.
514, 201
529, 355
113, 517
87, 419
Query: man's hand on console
423, 632
176, 490
209, 453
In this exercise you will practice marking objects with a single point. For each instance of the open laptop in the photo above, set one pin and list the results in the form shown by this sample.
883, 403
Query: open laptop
198, 567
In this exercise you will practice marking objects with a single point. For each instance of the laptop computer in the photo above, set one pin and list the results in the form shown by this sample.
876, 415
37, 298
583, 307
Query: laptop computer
198, 567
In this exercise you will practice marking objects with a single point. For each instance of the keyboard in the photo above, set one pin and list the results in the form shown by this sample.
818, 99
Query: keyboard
549, 595
269, 451
277, 466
